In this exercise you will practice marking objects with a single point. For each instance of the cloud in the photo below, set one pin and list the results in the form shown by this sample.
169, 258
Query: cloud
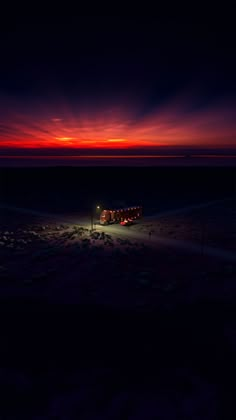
171, 124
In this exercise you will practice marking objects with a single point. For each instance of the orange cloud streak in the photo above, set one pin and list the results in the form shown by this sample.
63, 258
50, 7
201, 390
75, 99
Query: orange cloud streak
171, 125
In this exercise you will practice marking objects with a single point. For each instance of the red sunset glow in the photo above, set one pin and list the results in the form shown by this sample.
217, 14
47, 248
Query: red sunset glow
170, 125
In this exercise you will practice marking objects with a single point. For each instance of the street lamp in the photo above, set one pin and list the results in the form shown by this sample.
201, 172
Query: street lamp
92, 216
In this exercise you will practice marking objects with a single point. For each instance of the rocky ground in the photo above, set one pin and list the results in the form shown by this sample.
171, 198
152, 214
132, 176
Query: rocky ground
48, 258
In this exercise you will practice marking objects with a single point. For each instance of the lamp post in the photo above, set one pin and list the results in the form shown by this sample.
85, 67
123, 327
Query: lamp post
92, 216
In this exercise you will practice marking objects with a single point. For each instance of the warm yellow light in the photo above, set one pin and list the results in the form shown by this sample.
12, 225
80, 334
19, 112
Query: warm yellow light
64, 138
116, 140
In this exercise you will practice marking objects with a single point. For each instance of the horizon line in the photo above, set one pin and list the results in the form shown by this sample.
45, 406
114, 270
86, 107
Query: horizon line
187, 156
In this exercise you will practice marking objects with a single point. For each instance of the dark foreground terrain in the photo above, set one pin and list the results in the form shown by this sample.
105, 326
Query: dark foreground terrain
102, 327
91, 362
77, 188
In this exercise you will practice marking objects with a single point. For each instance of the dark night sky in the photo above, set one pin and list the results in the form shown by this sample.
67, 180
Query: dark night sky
101, 55
105, 81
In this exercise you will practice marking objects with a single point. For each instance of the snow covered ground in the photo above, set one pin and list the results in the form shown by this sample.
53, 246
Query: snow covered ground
116, 324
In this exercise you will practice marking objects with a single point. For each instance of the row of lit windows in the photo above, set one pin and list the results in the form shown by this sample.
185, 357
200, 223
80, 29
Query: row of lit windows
123, 210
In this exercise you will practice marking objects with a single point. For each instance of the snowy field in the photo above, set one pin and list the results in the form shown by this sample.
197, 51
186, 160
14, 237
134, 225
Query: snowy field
213, 225
116, 326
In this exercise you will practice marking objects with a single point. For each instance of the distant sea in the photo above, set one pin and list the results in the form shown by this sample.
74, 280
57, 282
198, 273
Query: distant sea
122, 160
